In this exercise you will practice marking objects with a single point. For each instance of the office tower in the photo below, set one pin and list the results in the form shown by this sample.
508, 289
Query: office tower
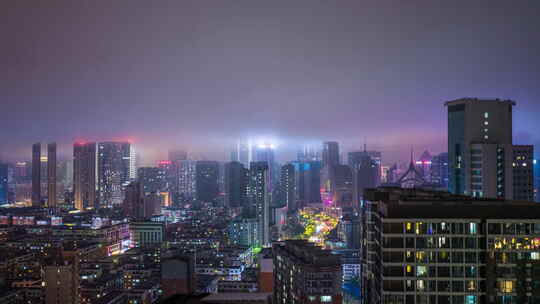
365, 175
187, 179
265, 153
115, 171
435, 247
356, 158
305, 273
523, 173
61, 284
342, 186
330, 153
259, 198
236, 180
241, 153
307, 183
439, 170
207, 180
85, 175
36, 175
152, 179
51, 175
288, 185
4, 190
480, 150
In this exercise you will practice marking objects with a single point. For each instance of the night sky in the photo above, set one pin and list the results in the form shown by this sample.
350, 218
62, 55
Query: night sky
200, 74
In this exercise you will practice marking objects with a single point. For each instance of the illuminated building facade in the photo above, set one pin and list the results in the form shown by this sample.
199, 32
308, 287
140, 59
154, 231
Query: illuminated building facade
259, 197
187, 179
439, 170
483, 161
85, 175
116, 168
434, 247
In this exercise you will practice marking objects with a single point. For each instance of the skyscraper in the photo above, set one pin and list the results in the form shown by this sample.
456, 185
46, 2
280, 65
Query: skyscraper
51, 175
207, 180
288, 184
4, 184
36, 174
85, 175
330, 153
439, 170
365, 175
116, 168
259, 196
482, 159
241, 153
236, 177
266, 153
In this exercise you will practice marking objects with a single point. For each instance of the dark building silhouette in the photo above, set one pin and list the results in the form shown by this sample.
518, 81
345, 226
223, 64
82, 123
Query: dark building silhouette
236, 179
85, 175
36, 175
51, 175
207, 174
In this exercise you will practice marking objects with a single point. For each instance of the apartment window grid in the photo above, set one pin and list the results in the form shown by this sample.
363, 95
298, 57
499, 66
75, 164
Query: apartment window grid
513, 243
431, 261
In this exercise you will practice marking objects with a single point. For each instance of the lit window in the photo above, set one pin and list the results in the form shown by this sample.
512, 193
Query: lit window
326, 299
486, 137
486, 123
486, 115
421, 271
506, 286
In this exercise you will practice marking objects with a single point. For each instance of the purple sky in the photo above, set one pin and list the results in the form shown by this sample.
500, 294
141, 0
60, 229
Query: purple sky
200, 74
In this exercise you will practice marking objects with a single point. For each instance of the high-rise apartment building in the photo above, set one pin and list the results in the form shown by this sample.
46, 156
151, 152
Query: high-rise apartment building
51, 175
116, 168
482, 158
259, 197
85, 175
365, 172
435, 247
305, 274
207, 180
187, 179
36, 174
288, 186
152, 179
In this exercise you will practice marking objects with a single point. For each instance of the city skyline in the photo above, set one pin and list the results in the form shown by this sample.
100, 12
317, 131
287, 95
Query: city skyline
348, 73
